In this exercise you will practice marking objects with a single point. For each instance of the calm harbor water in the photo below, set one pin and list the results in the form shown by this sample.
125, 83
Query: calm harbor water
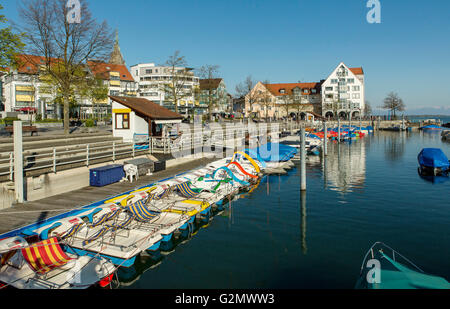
278, 238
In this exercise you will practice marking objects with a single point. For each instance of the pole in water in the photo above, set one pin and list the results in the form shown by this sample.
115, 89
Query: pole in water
302, 160
339, 129
18, 162
325, 138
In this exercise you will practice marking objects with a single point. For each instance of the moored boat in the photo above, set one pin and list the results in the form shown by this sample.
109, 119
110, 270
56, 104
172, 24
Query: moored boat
385, 268
433, 161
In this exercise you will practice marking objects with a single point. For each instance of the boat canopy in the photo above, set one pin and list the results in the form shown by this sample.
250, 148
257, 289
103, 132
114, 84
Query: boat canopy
434, 158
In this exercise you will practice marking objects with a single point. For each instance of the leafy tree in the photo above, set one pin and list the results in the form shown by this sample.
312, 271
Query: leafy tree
10, 44
367, 108
64, 45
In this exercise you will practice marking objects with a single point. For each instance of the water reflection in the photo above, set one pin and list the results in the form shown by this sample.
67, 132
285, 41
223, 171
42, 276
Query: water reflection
345, 166
394, 144
303, 221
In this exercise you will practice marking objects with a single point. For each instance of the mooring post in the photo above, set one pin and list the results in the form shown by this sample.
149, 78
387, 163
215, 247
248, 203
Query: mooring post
325, 138
18, 162
302, 160
360, 123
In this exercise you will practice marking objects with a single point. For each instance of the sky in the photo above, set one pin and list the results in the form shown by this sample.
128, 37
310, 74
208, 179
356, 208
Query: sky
293, 40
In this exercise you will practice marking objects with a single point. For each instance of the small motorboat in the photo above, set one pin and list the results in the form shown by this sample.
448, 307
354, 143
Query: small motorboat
431, 127
385, 268
433, 161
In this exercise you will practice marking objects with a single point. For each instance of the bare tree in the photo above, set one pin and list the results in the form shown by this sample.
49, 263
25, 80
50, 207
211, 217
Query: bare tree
367, 108
179, 74
264, 99
244, 89
209, 87
393, 103
65, 46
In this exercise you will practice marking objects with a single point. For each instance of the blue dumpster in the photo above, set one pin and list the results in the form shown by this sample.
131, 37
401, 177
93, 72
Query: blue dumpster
105, 175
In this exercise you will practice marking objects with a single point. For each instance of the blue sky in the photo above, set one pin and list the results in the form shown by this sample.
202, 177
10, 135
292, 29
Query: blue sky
294, 40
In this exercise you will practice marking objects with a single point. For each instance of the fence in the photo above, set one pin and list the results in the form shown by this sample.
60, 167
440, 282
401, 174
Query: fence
56, 159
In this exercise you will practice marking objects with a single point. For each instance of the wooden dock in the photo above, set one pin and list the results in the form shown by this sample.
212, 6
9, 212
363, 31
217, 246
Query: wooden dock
28, 213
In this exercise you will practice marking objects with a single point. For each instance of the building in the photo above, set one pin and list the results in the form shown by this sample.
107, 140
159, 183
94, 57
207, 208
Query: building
2, 105
343, 93
138, 116
214, 90
26, 88
283, 100
152, 79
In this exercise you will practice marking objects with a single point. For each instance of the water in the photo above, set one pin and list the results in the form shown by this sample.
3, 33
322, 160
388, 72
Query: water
276, 238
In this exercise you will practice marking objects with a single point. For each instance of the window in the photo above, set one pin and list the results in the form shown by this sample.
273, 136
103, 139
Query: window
122, 121
334, 81
313, 90
350, 80
282, 90
356, 88
356, 96
329, 88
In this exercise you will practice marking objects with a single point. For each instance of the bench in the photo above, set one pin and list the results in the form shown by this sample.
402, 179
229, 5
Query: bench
31, 129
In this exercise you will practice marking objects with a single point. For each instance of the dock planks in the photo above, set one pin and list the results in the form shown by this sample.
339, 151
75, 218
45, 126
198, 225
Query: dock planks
31, 212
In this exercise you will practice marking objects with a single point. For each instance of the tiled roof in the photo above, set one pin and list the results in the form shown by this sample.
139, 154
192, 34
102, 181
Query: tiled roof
212, 83
147, 108
357, 71
275, 88
29, 64
101, 70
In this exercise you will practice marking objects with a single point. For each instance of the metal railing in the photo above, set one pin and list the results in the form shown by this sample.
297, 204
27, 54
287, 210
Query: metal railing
50, 160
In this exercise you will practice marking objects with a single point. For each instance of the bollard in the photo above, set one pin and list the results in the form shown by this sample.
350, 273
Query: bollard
302, 160
18, 162
54, 160
87, 155
325, 138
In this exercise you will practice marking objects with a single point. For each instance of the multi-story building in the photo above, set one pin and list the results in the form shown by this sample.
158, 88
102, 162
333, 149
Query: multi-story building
2, 105
282, 100
214, 90
26, 88
343, 93
152, 80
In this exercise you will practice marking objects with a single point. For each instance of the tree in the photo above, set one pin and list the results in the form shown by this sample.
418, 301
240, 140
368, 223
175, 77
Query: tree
264, 99
393, 103
95, 91
367, 108
209, 88
175, 90
244, 89
10, 44
65, 45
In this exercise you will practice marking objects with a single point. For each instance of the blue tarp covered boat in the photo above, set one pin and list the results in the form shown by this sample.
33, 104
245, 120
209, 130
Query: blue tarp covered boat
274, 152
433, 161
431, 127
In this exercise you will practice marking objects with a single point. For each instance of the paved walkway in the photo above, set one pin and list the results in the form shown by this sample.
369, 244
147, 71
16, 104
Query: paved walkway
31, 212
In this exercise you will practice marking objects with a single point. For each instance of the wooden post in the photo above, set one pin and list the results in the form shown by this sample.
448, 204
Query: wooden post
302, 160
18, 162
325, 138
54, 160
87, 155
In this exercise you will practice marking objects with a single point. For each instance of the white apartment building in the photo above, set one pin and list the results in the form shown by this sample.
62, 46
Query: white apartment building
343, 93
152, 78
